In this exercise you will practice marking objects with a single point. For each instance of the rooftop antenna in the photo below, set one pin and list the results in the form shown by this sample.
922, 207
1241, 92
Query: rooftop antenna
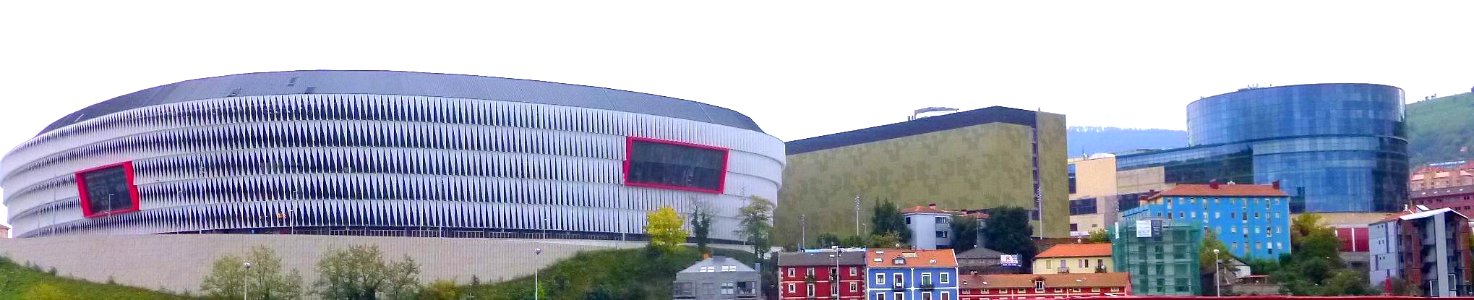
918, 112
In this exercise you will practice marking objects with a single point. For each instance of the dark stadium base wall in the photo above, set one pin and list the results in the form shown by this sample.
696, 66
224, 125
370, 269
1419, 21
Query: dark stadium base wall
178, 262
973, 167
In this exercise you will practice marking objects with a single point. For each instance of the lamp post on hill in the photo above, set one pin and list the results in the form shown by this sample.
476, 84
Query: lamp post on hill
1217, 287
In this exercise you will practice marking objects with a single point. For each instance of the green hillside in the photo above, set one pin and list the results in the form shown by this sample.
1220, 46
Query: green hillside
1439, 127
608, 274
18, 282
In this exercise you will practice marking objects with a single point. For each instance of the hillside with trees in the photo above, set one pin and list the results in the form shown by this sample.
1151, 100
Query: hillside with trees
1440, 129
1088, 140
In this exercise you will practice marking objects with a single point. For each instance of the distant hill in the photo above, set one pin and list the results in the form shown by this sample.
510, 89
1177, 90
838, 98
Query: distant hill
1439, 128
1087, 140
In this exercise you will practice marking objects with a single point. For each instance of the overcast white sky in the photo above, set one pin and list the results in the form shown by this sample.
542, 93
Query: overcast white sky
799, 69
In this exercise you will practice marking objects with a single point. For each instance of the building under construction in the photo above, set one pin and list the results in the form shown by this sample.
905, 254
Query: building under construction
1160, 254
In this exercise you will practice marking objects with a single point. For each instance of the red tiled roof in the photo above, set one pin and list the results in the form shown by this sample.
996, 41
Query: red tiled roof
1223, 190
1069, 280
1076, 250
923, 209
881, 257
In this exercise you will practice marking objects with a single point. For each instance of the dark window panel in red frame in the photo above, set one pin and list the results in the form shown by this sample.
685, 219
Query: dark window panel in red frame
721, 180
86, 200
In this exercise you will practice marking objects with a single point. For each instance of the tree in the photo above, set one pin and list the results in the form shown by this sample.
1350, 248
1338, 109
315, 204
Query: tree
701, 226
1098, 236
756, 226
360, 272
827, 240
441, 290
1008, 232
964, 233
853, 241
1206, 255
664, 228
887, 240
266, 279
887, 218
1302, 226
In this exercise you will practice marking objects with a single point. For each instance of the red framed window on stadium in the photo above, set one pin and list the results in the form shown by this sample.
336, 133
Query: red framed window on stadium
675, 165
107, 190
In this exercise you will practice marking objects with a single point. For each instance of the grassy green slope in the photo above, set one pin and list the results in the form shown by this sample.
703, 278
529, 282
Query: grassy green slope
609, 274
1439, 127
18, 282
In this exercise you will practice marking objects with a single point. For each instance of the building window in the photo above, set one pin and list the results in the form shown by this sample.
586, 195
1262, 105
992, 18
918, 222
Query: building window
899, 296
899, 280
809, 272
946, 278
729, 288
946, 295
879, 278
833, 273
810, 293
853, 271
925, 278
675, 165
790, 272
1038, 286
1095, 290
941, 220
941, 234
925, 295
879, 296
854, 286
790, 288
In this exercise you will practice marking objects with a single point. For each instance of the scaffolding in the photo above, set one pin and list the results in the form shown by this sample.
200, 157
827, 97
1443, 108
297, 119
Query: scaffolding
1160, 254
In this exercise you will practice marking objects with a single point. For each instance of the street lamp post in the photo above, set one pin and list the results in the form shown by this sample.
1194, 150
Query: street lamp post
535, 289
246, 283
834, 281
1217, 287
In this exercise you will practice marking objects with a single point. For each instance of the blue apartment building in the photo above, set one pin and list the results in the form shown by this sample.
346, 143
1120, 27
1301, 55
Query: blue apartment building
1253, 221
905, 274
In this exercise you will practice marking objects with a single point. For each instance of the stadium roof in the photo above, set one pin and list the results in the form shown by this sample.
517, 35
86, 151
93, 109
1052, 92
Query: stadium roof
411, 84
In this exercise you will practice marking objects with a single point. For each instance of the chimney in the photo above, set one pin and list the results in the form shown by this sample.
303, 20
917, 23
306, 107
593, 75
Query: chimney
1276, 184
931, 205
1213, 184
705, 256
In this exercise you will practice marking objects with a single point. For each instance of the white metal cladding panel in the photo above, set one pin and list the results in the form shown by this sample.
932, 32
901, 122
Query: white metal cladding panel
369, 160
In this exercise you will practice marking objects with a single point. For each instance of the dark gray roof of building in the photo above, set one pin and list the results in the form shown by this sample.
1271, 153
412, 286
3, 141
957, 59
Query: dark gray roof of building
718, 262
995, 114
979, 252
820, 258
412, 84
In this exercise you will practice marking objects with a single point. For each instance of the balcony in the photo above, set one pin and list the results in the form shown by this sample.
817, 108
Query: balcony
898, 287
927, 286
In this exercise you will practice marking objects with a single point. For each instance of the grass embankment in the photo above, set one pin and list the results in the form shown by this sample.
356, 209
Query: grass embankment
19, 282
607, 274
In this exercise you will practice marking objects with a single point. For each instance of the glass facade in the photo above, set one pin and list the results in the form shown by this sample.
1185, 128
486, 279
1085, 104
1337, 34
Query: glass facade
1335, 147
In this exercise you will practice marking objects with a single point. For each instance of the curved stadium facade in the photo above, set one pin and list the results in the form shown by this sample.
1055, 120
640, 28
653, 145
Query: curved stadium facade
386, 153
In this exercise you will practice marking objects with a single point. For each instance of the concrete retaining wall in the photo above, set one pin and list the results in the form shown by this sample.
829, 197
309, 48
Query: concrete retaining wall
179, 262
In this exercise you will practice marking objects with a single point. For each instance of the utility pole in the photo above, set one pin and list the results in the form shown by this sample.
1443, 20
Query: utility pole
857, 215
803, 231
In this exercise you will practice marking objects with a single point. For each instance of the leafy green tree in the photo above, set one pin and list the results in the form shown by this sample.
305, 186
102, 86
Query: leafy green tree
441, 290
266, 279
360, 272
1205, 255
827, 240
1008, 232
1346, 282
1098, 236
701, 226
887, 218
852, 241
664, 228
964, 233
757, 225
887, 240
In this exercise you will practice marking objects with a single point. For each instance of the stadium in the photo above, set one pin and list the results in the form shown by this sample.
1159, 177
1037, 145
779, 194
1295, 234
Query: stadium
386, 153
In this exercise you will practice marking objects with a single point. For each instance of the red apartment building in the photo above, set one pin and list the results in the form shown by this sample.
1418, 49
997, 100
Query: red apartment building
1457, 198
806, 275
1043, 286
